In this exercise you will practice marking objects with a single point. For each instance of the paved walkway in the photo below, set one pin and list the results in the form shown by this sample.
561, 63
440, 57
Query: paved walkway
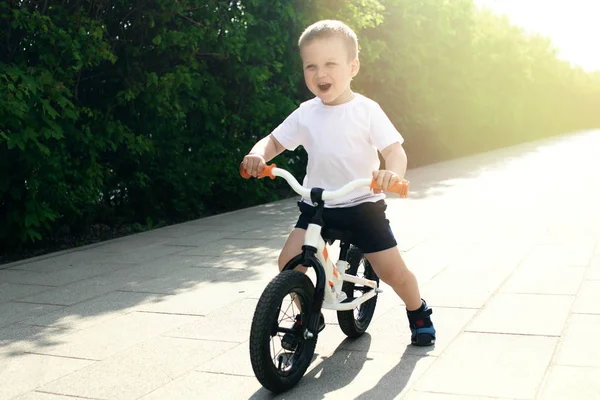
504, 244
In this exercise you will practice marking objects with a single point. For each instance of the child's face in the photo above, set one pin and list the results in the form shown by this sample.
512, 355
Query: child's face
328, 70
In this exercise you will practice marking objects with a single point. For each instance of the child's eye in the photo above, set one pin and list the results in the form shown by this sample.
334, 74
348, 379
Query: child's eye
310, 67
331, 64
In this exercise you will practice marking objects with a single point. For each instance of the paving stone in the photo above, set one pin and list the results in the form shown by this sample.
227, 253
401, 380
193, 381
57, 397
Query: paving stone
173, 231
238, 356
493, 255
529, 233
89, 288
80, 259
205, 238
571, 382
391, 333
200, 385
462, 234
231, 323
145, 255
588, 299
593, 273
430, 257
526, 314
560, 280
247, 220
18, 338
22, 373
262, 256
183, 280
99, 285
204, 299
237, 247
92, 312
573, 230
491, 365
138, 370
462, 287
576, 347
43, 396
280, 230
414, 395
264, 261
553, 256
131, 243
169, 263
116, 335
96, 258
15, 291
14, 312
61, 276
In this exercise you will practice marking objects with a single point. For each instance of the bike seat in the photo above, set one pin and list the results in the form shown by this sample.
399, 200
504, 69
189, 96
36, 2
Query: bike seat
331, 235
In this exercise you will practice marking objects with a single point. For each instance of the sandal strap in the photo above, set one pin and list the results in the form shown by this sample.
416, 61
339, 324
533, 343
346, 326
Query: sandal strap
415, 316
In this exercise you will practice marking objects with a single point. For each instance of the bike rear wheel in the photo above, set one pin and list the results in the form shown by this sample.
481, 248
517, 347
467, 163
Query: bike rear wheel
276, 368
355, 322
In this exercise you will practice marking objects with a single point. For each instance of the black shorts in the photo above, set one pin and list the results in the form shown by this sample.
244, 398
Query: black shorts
369, 227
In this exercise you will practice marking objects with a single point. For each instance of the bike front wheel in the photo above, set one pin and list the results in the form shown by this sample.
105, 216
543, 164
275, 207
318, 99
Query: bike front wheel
283, 310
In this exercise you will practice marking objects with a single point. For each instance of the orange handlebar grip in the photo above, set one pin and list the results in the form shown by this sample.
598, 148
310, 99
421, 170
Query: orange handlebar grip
400, 188
266, 172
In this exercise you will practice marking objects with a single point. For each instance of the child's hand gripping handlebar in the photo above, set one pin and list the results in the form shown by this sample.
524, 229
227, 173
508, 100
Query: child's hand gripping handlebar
271, 171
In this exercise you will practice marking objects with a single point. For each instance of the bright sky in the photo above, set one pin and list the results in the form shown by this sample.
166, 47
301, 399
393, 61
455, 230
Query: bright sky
572, 25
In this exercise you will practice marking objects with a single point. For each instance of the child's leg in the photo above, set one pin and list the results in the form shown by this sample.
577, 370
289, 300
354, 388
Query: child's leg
390, 267
292, 247
374, 236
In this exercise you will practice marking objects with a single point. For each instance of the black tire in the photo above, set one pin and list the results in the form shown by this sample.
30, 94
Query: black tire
355, 322
264, 337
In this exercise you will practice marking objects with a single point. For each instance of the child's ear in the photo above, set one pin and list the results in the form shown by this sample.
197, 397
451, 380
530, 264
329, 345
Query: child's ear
355, 67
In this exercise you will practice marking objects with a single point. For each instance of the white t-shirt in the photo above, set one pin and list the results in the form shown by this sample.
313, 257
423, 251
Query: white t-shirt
341, 142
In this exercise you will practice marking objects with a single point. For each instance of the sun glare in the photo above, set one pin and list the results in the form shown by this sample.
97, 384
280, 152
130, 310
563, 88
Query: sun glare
572, 25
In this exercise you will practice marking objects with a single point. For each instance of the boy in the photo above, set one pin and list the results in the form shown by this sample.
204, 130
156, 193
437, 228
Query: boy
341, 132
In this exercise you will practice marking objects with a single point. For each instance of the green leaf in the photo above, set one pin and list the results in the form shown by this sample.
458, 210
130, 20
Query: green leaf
49, 109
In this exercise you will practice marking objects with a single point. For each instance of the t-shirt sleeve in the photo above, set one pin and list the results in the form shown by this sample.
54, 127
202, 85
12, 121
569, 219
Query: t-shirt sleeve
383, 132
288, 133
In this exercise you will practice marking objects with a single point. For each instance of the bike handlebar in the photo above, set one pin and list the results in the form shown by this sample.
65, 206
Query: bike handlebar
271, 171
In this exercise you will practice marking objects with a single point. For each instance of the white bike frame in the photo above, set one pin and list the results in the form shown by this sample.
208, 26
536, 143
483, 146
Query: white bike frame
334, 297
336, 275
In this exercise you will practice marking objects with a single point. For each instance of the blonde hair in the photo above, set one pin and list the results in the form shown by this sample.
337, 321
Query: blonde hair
328, 28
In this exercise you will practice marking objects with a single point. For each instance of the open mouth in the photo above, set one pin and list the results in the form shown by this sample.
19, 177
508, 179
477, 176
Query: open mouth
323, 87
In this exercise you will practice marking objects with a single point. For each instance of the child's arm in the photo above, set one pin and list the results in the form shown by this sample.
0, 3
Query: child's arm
395, 166
263, 151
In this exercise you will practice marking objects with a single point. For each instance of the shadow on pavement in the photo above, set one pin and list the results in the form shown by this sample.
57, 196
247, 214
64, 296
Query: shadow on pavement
196, 269
394, 381
341, 369
333, 373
